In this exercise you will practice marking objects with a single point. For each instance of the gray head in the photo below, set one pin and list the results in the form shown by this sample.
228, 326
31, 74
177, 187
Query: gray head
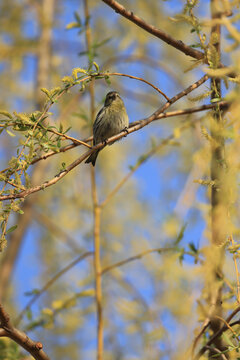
110, 97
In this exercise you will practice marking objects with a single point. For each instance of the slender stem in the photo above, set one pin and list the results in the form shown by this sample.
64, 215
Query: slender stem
219, 333
137, 257
96, 209
50, 283
161, 144
98, 283
140, 79
236, 269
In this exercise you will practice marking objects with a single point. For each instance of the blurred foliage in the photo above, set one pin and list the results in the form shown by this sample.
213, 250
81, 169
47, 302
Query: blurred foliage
153, 307
9, 350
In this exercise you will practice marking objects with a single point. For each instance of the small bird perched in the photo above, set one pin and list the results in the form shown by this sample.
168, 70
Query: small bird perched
111, 120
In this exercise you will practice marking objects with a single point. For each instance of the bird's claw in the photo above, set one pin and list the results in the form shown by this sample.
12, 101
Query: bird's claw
126, 131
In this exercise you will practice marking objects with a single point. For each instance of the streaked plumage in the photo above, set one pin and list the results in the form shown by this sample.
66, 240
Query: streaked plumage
110, 120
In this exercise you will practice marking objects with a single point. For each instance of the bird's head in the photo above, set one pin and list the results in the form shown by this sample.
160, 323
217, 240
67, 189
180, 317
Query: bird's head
112, 96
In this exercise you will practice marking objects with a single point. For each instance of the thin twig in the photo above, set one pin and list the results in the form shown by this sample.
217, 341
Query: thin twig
147, 60
53, 131
227, 325
217, 351
162, 143
218, 333
136, 257
236, 270
62, 149
67, 137
50, 283
140, 79
197, 338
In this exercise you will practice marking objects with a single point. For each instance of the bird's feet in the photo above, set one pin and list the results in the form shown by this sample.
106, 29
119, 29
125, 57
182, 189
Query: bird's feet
126, 131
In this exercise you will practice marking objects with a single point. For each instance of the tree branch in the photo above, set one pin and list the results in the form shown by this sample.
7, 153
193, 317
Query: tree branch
8, 330
134, 127
136, 257
221, 104
51, 282
140, 79
218, 333
177, 44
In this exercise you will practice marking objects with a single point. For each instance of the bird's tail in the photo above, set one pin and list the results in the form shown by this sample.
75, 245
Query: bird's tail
92, 158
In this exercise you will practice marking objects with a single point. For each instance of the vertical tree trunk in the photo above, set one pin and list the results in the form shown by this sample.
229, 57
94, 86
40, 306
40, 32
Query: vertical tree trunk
218, 194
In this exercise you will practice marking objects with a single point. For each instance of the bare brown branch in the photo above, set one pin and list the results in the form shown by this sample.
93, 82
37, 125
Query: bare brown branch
177, 44
8, 330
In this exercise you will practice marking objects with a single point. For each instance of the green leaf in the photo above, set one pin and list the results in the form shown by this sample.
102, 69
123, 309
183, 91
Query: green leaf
228, 340
215, 100
181, 257
32, 292
181, 234
192, 247
106, 77
29, 314
63, 168
12, 228
77, 17
101, 43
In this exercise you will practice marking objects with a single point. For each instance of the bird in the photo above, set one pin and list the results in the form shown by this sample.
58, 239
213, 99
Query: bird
110, 120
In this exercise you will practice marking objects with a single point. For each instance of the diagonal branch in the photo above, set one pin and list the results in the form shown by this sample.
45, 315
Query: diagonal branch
221, 104
177, 44
8, 330
134, 127
137, 257
145, 157
50, 282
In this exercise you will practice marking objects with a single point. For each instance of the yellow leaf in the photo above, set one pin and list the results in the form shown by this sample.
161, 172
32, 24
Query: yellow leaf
177, 133
47, 311
57, 304
89, 292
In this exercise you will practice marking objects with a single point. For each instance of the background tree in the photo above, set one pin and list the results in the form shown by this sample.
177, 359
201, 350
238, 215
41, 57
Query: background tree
138, 257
